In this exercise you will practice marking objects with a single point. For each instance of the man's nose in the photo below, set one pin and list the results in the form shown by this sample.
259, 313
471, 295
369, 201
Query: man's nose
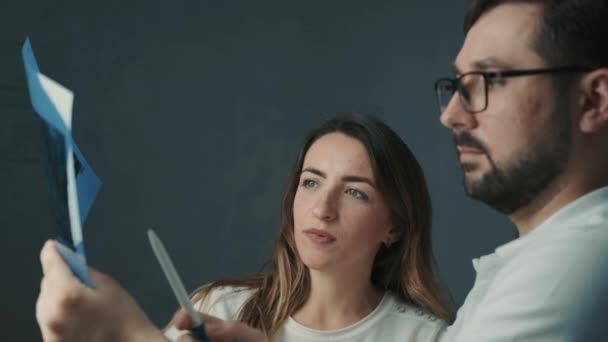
455, 117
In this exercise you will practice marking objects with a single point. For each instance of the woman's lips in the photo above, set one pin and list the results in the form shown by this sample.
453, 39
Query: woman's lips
319, 236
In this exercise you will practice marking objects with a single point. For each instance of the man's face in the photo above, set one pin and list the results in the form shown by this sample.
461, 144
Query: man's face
515, 148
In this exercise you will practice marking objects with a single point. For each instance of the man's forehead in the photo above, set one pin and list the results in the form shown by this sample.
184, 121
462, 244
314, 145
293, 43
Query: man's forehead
501, 39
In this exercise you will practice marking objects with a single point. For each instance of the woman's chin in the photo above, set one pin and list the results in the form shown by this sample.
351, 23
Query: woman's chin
316, 264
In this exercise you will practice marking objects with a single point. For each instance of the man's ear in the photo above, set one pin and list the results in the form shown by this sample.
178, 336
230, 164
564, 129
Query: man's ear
594, 115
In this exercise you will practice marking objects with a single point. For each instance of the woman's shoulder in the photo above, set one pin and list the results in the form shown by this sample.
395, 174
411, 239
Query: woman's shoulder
402, 308
401, 311
224, 301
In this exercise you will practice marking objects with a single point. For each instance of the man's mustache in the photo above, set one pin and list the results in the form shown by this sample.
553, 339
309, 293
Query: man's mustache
468, 140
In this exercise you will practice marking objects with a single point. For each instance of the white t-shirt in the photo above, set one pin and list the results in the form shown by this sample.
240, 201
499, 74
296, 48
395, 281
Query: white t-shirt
392, 320
549, 285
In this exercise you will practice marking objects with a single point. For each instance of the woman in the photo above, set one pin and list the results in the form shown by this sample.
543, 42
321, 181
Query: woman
353, 260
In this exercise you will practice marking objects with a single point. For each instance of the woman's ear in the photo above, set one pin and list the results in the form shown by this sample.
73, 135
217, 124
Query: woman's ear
392, 235
594, 114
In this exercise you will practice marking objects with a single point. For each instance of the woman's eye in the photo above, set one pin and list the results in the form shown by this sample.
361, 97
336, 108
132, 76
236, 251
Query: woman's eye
309, 183
357, 194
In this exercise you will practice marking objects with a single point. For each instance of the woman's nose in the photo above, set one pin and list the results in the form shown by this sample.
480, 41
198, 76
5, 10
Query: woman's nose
325, 207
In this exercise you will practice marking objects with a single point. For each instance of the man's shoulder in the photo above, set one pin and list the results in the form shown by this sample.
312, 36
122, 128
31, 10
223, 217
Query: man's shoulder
583, 242
554, 272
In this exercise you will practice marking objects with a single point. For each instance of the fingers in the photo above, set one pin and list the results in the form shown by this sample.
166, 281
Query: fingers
50, 258
218, 330
182, 321
100, 280
67, 310
60, 294
52, 262
208, 319
58, 279
56, 303
215, 328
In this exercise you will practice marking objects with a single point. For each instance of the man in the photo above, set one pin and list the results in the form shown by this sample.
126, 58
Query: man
530, 125
529, 112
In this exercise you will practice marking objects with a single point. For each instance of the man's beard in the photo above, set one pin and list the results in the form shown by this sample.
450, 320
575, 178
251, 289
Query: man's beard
517, 182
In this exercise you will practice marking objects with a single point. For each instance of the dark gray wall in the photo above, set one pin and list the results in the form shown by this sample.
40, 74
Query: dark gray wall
191, 112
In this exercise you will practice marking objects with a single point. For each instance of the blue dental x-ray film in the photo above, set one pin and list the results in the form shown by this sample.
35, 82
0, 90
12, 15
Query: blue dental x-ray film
72, 184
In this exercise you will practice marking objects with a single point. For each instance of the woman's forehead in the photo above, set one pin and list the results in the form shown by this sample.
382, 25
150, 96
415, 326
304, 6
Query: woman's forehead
339, 153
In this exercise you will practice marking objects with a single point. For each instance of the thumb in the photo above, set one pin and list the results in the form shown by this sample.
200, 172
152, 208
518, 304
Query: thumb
182, 321
100, 280
50, 260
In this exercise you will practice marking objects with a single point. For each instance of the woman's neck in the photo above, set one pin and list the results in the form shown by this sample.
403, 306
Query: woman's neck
337, 300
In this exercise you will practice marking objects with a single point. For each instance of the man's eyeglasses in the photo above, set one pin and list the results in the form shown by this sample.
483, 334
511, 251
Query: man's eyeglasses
472, 87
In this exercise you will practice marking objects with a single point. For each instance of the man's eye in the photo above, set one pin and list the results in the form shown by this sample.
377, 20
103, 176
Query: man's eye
495, 80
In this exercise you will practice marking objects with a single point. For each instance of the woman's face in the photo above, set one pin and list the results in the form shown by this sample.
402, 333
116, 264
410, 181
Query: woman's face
340, 218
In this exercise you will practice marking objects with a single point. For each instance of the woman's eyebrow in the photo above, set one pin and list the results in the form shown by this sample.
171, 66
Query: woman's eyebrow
314, 171
359, 179
346, 178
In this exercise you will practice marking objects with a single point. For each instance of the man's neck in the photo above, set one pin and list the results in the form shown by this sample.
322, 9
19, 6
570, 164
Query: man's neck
560, 193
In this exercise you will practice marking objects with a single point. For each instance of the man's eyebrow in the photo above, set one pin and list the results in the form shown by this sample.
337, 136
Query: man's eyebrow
484, 64
491, 63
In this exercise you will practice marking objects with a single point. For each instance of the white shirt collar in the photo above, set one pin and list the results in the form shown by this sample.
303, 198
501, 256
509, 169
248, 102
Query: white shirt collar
580, 210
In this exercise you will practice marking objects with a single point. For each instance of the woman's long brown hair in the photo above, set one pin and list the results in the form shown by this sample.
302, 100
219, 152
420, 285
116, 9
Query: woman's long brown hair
405, 268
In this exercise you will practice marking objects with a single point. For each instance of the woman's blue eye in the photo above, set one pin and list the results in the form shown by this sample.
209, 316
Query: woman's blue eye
357, 194
309, 183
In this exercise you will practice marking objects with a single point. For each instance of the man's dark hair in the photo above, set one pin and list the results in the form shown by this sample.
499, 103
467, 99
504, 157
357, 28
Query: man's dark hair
569, 32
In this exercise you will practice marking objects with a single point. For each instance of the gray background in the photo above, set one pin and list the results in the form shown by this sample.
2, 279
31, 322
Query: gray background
191, 112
